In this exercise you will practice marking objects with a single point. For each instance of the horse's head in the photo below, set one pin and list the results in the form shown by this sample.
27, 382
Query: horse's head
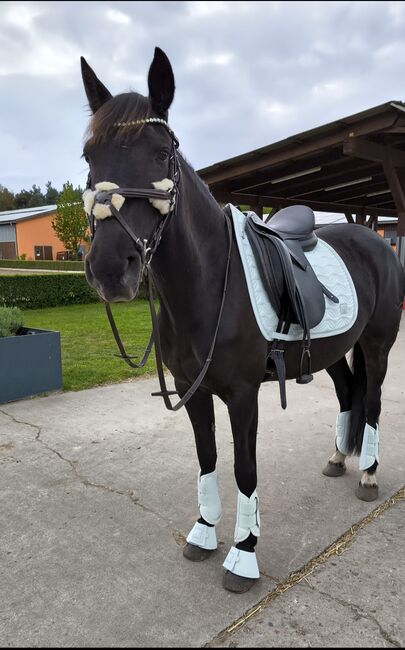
128, 145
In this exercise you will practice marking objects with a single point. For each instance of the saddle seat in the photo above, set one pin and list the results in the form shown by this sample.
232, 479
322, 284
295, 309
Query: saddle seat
293, 289
296, 222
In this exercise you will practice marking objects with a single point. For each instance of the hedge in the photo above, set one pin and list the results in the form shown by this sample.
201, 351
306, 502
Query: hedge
51, 290
43, 264
35, 291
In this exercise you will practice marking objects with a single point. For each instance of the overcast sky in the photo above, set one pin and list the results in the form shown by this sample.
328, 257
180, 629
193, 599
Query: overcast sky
247, 73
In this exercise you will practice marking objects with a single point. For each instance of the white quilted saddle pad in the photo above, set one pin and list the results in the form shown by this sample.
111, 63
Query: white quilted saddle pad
329, 269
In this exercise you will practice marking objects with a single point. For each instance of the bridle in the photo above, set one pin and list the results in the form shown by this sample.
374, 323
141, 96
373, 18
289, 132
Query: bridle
147, 249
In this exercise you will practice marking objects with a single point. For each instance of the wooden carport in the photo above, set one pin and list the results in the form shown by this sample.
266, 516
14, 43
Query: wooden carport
355, 166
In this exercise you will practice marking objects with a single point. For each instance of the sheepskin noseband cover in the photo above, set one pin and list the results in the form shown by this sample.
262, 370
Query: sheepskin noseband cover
101, 211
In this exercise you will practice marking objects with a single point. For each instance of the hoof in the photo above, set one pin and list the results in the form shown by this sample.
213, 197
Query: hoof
195, 553
237, 584
367, 492
334, 469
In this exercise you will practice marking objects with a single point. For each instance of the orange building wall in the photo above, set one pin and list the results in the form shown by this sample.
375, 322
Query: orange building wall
37, 231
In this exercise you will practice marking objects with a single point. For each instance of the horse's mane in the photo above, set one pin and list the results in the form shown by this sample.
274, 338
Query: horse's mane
124, 108
121, 108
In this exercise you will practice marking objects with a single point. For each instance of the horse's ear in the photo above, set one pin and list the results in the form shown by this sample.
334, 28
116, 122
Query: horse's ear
161, 83
96, 92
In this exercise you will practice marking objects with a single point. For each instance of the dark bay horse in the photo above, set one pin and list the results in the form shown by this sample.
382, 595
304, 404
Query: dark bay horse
130, 145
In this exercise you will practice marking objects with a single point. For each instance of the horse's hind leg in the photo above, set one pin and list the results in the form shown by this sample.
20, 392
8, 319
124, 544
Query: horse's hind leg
202, 540
375, 351
342, 378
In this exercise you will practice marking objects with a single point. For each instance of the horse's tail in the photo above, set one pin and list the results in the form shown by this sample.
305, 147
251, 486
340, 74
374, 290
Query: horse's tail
358, 411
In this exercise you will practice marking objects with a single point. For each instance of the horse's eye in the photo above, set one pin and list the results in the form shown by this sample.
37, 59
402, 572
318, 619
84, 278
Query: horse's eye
163, 154
86, 158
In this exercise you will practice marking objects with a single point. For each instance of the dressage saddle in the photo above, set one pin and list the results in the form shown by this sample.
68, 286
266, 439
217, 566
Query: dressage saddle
294, 291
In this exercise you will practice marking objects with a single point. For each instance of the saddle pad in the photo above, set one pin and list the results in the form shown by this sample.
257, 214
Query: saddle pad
329, 269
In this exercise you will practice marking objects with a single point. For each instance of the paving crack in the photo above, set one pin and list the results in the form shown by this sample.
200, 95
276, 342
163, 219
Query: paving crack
28, 424
335, 549
356, 609
273, 578
130, 494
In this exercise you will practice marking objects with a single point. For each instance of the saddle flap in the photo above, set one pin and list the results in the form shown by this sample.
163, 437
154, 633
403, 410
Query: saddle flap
298, 290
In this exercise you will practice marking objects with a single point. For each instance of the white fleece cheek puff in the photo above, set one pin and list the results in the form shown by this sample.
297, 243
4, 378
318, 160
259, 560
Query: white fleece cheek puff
99, 210
163, 205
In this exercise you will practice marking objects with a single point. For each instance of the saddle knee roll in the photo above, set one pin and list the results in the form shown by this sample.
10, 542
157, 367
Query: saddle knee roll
247, 517
369, 448
209, 502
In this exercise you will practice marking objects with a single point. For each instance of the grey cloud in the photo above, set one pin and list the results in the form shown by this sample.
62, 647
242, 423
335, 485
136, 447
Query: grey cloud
247, 74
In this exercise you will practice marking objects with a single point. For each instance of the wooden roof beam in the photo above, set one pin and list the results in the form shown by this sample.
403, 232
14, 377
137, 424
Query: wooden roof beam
322, 206
363, 148
284, 151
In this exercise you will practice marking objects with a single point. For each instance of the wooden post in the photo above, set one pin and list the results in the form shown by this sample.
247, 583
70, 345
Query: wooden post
396, 181
372, 222
258, 209
273, 211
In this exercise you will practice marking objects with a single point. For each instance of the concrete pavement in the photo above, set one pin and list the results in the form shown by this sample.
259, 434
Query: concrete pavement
98, 491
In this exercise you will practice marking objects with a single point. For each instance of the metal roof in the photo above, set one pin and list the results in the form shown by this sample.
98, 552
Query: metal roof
336, 167
12, 216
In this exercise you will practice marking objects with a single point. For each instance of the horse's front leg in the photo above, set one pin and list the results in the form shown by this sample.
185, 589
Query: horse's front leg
241, 563
202, 539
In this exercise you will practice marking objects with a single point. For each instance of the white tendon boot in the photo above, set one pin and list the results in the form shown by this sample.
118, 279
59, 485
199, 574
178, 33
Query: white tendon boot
336, 463
244, 563
342, 432
369, 448
209, 505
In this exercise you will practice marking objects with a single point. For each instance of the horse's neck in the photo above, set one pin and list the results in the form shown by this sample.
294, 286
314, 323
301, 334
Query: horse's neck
189, 265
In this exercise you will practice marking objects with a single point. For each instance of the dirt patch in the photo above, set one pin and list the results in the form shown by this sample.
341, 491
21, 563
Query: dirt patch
7, 446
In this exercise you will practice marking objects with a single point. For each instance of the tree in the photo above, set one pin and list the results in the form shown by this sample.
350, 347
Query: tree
52, 194
70, 222
32, 198
7, 199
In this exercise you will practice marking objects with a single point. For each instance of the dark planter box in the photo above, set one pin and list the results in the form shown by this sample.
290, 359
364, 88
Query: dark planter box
30, 363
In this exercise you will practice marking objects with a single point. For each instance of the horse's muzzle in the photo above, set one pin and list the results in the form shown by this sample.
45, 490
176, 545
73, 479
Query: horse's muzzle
120, 287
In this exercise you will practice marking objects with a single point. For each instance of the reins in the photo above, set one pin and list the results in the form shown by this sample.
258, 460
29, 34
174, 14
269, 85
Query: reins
147, 250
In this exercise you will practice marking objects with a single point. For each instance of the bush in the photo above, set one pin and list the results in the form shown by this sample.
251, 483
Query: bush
51, 290
43, 264
36, 291
11, 320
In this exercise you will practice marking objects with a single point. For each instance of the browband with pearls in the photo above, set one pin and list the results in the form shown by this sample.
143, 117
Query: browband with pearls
150, 120
147, 120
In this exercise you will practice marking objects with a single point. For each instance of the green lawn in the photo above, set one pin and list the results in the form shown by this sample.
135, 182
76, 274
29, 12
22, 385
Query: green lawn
88, 346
